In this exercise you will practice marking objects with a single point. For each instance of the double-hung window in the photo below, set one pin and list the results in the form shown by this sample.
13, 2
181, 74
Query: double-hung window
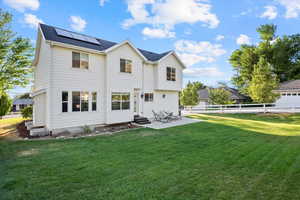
80, 101
149, 97
171, 74
125, 65
80, 60
94, 101
64, 100
120, 101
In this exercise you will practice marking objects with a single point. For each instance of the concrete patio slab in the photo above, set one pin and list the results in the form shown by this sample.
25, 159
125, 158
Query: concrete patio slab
160, 125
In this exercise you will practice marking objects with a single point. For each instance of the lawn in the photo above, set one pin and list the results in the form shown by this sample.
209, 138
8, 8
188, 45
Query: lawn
244, 156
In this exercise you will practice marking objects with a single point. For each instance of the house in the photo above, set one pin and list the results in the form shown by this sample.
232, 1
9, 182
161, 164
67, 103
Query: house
82, 80
289, 94
235, 96
19, 104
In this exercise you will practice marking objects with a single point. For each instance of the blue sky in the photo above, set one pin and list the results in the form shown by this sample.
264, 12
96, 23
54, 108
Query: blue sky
202, 32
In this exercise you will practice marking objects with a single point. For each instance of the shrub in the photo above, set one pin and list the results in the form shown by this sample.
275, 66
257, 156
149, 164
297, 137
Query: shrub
5, 104
27, 112
86, 129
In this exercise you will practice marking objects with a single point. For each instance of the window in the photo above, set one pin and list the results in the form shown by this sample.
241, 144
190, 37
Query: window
120, 101
84, 99
171, 74
94, 101
149, 97
80, 101
80, 60
125, 65
64, 100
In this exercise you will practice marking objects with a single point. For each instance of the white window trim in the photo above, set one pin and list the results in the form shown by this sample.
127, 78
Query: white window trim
125, 66
121, 101
80, 52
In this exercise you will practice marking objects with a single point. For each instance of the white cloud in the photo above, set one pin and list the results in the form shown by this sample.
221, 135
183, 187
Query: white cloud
102, 2
158, 33
77, 23
22, 5
31, 20
243, 39
270, 12
192, 52
203, 72
292, 7
220, 37
168, 13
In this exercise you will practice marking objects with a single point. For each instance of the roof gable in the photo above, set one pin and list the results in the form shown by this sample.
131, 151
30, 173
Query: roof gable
50, 34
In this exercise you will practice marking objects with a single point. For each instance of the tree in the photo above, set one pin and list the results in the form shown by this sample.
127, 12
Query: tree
282, 53
5, 104
189, 95
263, 83
15, 56
219, 96
27, 112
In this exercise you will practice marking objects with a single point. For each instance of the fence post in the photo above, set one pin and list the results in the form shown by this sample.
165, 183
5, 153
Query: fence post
265, 108
240, 107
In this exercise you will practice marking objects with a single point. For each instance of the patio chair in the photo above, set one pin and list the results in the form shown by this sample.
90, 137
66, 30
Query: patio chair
171, 116
160, 117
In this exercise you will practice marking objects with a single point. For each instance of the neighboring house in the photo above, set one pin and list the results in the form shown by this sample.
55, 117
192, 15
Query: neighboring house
19, 104
289, 94
81, 80
235, 96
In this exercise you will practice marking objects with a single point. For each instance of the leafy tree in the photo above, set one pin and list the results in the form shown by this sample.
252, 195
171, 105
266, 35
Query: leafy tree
243, 61
282, 53
189, 95
219, 96
263, 83
27, 112
267, 32
5, 104
15, 56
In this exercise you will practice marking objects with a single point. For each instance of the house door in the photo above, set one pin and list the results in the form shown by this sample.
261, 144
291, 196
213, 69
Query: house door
136, 103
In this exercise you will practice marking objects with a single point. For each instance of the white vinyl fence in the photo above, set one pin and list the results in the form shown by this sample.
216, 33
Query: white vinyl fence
241, 108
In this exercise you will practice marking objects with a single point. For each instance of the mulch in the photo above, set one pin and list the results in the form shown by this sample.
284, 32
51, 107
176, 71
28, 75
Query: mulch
22, 130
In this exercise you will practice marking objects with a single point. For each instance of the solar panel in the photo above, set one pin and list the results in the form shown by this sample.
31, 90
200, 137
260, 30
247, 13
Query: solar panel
76, 36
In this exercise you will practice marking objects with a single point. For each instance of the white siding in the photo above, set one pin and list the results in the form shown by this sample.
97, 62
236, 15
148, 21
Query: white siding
288, 101
162, 83
66, 78
41, 71
55, 74
122, 82
39, 110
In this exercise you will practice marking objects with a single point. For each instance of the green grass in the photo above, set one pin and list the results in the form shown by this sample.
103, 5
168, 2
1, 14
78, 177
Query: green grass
241, 156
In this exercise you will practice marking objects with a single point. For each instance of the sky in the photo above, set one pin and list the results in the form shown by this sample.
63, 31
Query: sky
203, 33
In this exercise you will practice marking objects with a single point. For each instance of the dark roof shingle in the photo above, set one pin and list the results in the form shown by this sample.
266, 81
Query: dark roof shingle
290, 85
50, 34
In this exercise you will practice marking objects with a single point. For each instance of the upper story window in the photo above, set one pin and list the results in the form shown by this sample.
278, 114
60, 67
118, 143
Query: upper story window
80, 60
149, 97
171, 74
125, 65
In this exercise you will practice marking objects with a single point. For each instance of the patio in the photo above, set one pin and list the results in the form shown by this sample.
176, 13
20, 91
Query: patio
161, 125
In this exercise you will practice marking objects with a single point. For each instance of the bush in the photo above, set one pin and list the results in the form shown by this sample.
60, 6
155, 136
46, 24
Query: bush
5, 104
27, 112
86, 129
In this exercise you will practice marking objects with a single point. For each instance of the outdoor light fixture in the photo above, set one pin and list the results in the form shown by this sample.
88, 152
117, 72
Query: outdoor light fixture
142, 95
